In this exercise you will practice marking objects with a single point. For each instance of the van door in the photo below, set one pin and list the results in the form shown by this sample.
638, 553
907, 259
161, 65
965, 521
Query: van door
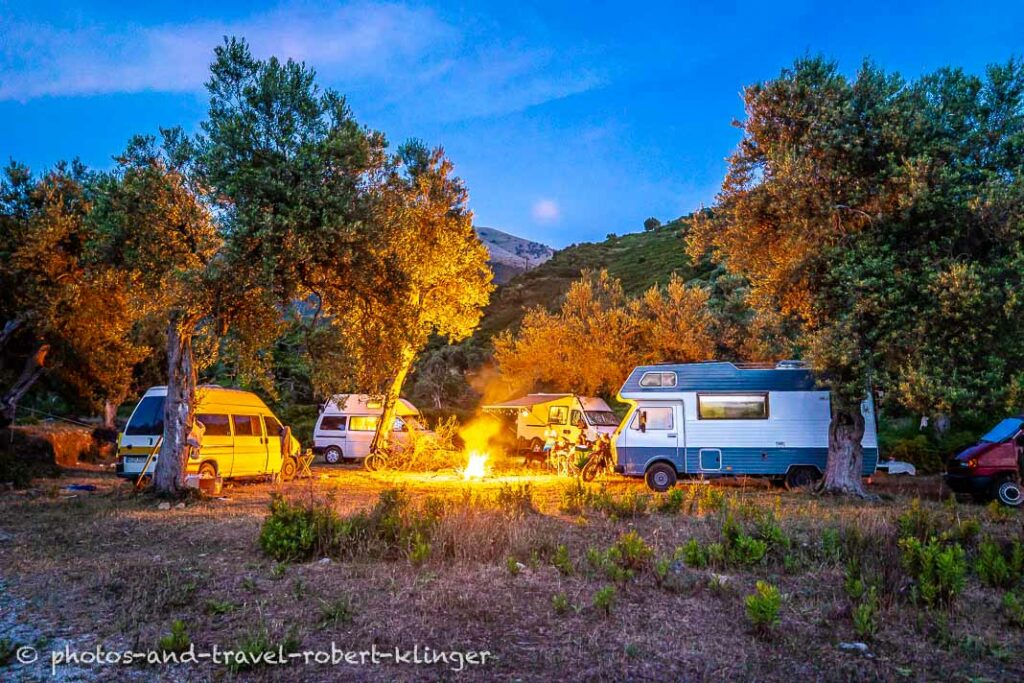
656, 432
250, 449
360, 435
272, 437
217, 444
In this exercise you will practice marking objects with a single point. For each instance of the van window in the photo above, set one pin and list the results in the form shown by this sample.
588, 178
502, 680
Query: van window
148, 418
732, 406
656, 419
658, 379
216, 425
557, 415
575, 417
273, 426
247, 425
363, 423
332, 423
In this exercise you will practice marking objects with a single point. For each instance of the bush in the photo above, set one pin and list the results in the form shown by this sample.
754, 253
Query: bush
516, 500
560, 603
671, 502
294, 532
1013, 608
604, 599
939, 571
631, 552
763, 607
694, 555
992, 568
561, 561
177, 640
865, 614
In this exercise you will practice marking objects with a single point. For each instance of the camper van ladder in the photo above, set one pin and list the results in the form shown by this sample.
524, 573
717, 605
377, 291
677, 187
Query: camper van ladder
149, 461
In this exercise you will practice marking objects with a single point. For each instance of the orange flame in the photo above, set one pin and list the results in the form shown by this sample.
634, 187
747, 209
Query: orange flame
476, 468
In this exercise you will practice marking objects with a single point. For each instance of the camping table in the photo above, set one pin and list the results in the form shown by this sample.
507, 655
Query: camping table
305, 460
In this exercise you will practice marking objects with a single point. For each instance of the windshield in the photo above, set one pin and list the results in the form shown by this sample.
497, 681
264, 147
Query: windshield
148, 418
1004, 430
603, 418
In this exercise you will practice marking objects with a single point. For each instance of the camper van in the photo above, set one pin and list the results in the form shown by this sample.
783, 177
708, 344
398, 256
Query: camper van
345, 427
718, 419
242, 437
535, 412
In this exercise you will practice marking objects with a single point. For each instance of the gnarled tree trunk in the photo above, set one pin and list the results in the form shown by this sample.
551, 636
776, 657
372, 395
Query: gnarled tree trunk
844, 471
34, 365
390, 406
179, 408
109, 414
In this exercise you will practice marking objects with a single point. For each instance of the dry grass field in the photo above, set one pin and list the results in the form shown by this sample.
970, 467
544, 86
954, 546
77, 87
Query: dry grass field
551, 584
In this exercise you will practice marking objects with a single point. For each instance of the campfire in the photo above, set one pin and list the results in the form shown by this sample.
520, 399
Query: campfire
476, 468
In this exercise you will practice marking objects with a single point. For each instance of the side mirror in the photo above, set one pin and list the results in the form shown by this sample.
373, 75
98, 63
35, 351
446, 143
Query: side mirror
643, 421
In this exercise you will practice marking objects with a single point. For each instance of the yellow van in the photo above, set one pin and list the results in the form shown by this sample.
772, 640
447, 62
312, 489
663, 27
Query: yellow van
242, 436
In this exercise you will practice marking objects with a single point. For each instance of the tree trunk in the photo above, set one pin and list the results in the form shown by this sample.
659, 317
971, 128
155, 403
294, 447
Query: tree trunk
34, 365
390, 406
110, 414
940, 423
10, 327
179, 407
844, 471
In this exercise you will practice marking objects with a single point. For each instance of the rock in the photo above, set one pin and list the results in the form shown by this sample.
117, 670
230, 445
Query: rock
324, 560
163, 506
179, 506
5, 537
854, 647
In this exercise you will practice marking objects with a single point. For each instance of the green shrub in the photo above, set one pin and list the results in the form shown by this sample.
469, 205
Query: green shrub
177, 640
865, 615
560, 603
421, 549
604, 599
512, 565
671, 502
631, 552
992, 568
338, 611
939, 571
575, 497
694, 555
918, 522
561, 560
1013, 608
763, 607
767, 529
746, 551
516, 501
295, 532
831, 547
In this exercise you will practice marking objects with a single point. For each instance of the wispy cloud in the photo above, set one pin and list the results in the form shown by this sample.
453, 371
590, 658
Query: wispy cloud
546, 211
393, 49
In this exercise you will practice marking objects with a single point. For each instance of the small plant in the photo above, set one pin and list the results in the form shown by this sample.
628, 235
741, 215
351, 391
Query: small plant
713, 500
575, 497
513, 566
939, 571
296, 532
831, 547
694, 555
746, 551
998, 513
917, 522
560, 603
992, 568
661, 568
561, 561
671, 502
219, 607
631, 552
177, 640
249, 584
338, 611
604, 599
1013, 608
278, 571
515, 500
421, 549
763, 607
865, 614
967, 531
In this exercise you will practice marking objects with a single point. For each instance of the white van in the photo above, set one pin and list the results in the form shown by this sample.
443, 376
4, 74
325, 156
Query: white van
534, 413
242, 436
346, 425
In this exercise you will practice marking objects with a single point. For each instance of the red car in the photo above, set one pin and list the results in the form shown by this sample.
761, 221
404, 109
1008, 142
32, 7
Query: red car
992, 467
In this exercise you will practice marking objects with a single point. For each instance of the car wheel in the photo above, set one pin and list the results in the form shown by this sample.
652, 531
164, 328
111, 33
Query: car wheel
1009, 493
288, 469
207, 471
798, 478
332, 456
661, 476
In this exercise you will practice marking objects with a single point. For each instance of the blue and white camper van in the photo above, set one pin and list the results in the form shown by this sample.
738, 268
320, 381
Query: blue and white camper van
717, 419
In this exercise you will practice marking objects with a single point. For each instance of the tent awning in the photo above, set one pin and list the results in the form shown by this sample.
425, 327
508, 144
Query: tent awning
527, 401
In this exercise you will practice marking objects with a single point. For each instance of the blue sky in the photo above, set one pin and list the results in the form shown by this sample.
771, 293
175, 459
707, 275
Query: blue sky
567, 120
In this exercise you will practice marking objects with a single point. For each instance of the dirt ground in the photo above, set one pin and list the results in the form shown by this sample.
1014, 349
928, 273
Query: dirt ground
109, 569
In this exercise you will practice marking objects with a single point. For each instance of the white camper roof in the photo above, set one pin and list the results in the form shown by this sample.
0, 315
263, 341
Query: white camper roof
364, 404
589, 403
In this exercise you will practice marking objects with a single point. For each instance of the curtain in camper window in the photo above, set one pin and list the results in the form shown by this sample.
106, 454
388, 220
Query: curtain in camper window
732, 406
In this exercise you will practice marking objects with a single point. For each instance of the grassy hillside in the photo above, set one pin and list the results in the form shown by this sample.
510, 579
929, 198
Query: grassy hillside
639, 259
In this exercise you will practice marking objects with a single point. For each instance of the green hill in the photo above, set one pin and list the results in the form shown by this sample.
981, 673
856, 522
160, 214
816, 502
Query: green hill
639, 260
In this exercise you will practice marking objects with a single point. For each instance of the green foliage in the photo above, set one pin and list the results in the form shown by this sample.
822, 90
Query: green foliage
516, 500
831, 547
293, 532
992, 567
560, 603
561, 561
918, 522
631, 552
604, 599
763, 607
512, 565
177, 640
939, 571
575, 497
694, 555
220, 607
671, 502
865, 615
338, 611
1013, 608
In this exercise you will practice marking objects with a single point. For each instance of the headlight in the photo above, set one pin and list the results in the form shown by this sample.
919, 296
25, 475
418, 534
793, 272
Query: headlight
972, 463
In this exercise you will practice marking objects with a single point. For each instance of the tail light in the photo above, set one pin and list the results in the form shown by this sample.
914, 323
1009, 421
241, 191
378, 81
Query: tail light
972, 463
